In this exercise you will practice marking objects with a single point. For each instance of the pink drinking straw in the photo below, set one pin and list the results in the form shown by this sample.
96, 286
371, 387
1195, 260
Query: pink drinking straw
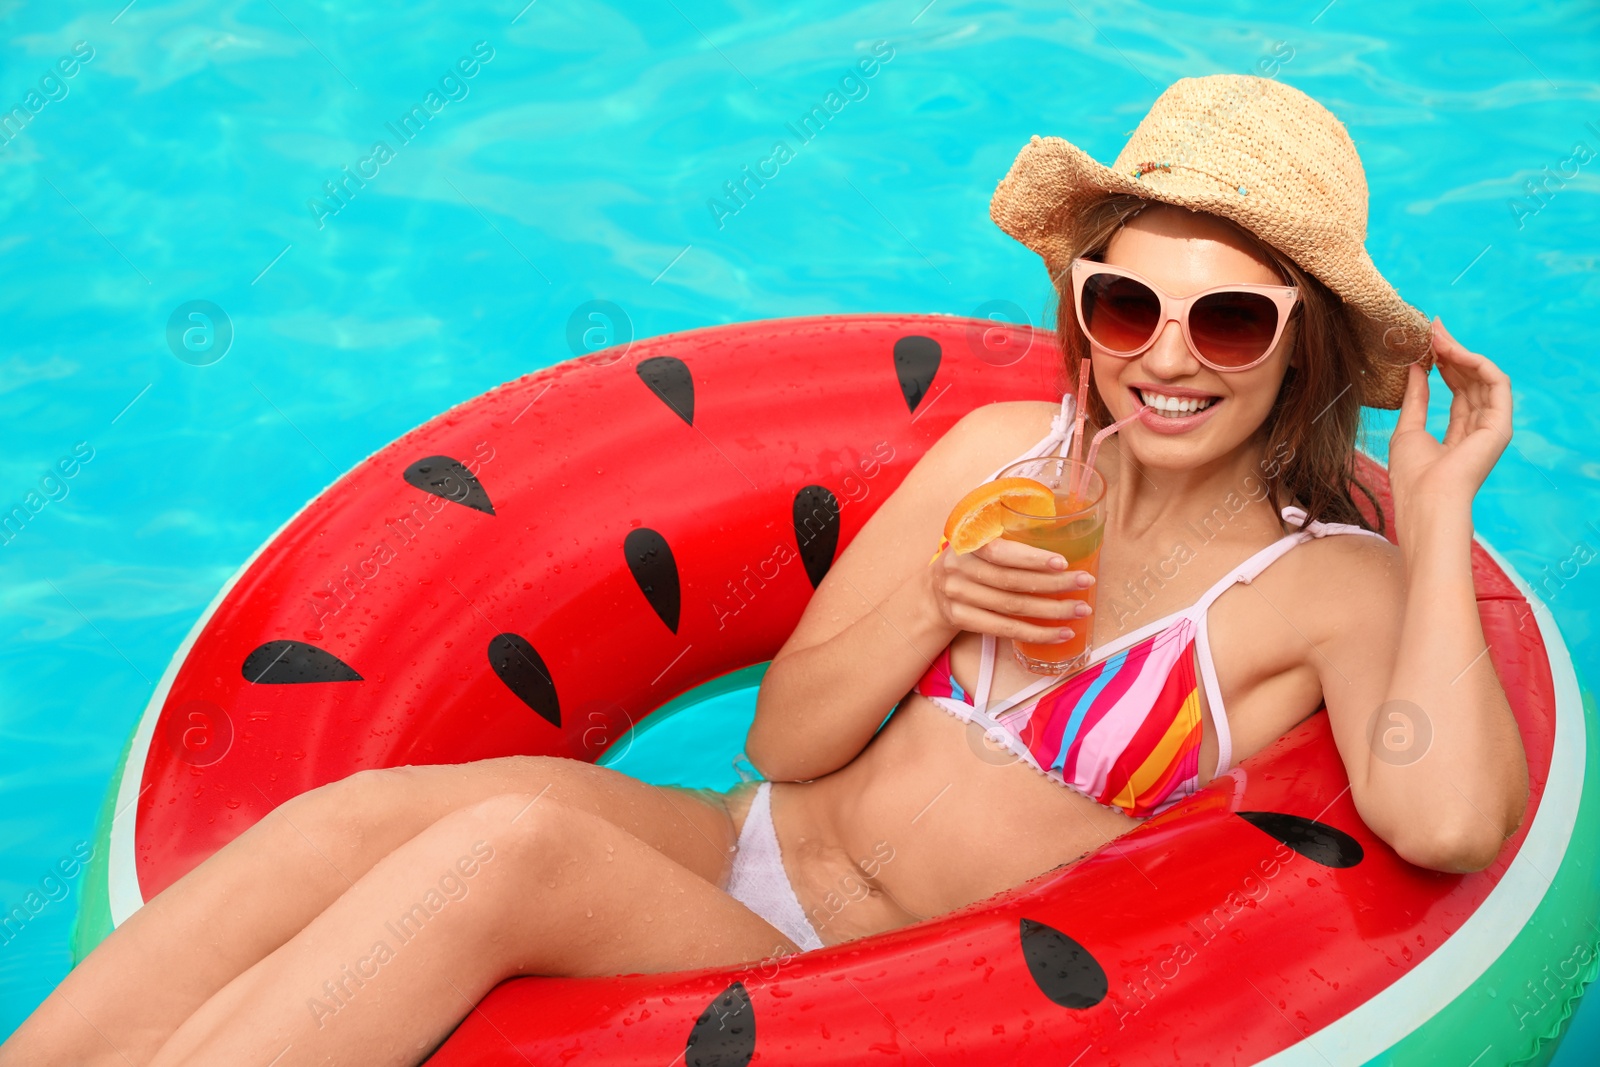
1083, 410
1081, 474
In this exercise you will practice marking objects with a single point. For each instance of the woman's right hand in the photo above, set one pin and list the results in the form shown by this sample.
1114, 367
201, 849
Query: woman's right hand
994, 589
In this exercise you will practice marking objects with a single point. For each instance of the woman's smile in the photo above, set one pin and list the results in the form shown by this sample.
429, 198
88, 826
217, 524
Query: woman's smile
1170, 409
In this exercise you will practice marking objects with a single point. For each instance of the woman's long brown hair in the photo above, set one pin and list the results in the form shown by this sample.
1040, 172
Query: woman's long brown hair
1313, 423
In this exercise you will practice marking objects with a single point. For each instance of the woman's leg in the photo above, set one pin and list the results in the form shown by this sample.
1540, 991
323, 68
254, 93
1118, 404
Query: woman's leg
126, 999
505, 887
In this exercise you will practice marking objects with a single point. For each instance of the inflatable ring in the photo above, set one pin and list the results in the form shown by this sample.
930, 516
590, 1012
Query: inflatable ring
538, 567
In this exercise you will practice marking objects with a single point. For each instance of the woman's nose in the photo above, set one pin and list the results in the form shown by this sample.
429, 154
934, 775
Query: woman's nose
1169, 357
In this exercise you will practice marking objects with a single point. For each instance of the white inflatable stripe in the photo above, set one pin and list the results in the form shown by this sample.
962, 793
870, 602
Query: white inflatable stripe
1428, 987
121, 875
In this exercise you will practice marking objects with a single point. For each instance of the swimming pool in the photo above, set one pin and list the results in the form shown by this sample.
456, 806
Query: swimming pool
573, 189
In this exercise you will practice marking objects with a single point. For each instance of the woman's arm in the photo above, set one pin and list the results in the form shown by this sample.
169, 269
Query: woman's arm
1436, 759
882, 614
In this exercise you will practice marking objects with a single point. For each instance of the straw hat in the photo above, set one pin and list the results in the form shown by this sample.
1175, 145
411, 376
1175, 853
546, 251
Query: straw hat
1252, 150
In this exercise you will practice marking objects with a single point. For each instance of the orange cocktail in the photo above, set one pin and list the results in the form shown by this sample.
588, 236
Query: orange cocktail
1075, 531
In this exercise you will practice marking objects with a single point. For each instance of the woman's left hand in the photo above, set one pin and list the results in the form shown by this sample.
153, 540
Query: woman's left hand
1448, 474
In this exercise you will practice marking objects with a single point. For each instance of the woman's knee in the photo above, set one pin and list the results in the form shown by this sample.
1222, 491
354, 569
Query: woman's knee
526, 833
346, 818
566, 777
475, 871
354, 821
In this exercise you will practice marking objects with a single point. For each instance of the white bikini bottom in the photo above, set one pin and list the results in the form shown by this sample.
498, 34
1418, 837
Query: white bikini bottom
758, 880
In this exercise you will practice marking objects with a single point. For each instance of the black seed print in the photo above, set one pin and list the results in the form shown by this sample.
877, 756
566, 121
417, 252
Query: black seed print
916, 361
295, 663
651, 563
450, 479
725, 1033
519, 666
1064, 970
816, 530
670, 380
1316, 841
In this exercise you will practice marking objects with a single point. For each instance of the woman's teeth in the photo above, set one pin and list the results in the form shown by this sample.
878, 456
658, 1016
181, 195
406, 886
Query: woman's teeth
1176, 407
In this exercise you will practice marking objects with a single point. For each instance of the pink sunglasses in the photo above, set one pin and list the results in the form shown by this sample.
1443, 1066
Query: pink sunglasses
1228, 327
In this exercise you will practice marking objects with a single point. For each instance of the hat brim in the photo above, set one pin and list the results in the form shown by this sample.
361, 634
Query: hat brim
1052, 179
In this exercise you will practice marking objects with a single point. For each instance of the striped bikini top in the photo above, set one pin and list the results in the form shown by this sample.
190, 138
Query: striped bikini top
1125, 730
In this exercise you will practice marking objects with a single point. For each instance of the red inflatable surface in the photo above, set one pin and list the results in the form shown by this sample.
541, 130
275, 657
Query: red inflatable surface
536, 569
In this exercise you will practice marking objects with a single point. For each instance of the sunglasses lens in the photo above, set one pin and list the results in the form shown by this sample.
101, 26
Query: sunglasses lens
1233, 329
1120, 313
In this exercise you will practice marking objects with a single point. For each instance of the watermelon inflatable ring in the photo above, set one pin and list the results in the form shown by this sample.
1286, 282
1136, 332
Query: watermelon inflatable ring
393, 620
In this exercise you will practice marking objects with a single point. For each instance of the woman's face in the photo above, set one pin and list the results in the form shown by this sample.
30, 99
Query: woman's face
1183, 253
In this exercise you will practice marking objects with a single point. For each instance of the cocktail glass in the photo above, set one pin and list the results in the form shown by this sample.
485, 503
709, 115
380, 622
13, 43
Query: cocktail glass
1075, 531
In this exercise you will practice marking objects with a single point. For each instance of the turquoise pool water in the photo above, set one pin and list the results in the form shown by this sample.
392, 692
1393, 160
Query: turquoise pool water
185, 159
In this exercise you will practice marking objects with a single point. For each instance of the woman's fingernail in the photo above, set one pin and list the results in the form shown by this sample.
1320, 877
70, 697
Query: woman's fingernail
1085, 581
1066, 634
1084, 611
1058, 562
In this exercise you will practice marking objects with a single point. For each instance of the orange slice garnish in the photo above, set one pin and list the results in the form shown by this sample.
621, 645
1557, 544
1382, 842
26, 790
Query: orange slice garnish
978, 517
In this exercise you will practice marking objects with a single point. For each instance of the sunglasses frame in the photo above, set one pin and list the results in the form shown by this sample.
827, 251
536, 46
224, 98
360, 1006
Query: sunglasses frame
1176, 309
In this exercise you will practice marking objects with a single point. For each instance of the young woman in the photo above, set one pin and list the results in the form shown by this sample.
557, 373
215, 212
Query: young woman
1253, 368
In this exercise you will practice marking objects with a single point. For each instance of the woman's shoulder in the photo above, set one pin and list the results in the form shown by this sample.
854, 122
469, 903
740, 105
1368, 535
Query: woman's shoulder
999, 431
1339, 580
1346, 548
1032, 413
985, 438
1351, 556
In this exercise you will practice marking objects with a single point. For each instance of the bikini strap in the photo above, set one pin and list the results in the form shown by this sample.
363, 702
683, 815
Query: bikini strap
1062, 424
986, 679
980, 699
1251, 569
1297, 516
